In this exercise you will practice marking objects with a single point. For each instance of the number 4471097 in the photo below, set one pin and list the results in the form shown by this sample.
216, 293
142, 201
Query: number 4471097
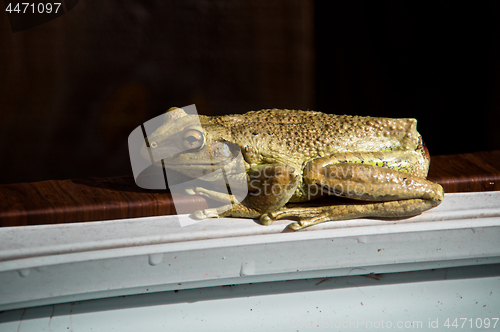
471, 323
33, 8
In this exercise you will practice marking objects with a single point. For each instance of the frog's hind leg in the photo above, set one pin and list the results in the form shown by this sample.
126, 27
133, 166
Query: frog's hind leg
385, 192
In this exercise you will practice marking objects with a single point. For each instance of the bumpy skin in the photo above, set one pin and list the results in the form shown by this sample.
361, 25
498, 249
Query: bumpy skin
305, 155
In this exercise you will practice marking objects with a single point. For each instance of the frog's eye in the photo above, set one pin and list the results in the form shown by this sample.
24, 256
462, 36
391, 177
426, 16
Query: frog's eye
192, 139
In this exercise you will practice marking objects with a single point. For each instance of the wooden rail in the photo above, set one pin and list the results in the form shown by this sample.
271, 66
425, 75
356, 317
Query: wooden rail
93, 199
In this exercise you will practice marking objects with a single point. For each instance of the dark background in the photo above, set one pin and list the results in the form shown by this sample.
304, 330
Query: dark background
72, 89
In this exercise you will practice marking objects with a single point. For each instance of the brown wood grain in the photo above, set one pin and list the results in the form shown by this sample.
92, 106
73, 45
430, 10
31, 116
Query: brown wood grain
50, 202
478, 171
96, 199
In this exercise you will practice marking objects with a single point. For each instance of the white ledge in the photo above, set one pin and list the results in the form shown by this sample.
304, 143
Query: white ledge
67, 262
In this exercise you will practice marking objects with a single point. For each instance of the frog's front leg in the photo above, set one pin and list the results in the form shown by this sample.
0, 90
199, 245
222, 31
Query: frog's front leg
392, 193
269, 189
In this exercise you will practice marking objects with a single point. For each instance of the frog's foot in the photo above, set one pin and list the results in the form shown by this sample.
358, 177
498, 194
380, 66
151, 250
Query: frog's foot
215, 195
206, 213
314, 215
304, 216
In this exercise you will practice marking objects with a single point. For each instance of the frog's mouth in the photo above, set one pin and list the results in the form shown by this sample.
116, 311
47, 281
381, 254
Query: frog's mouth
185, 165
182, 160
215, 154
208, 169
197, 162
197, 165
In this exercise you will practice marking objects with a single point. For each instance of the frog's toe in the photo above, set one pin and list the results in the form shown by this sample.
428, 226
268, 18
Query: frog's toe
303, 223
296, 226
190, 191
266, 219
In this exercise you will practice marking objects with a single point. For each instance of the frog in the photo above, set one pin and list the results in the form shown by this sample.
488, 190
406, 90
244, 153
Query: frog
294, 160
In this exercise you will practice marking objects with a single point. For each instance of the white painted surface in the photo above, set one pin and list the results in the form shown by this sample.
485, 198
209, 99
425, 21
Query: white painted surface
413, 300
42, 265
17, 242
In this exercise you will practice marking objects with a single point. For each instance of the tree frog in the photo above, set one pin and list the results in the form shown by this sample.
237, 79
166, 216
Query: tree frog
292, 158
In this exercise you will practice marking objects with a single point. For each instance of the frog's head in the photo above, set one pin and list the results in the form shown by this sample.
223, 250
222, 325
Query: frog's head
188, 143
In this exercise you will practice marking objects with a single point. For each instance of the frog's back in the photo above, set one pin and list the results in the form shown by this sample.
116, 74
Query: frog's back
317, 133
